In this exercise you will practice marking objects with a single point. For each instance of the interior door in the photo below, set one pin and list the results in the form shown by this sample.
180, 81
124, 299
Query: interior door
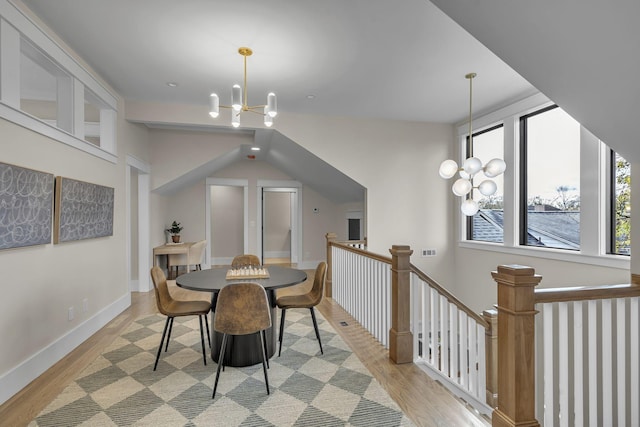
277, 226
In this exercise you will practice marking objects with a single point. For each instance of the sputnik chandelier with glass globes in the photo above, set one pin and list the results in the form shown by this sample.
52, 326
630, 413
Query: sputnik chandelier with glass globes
239, 104
463, 186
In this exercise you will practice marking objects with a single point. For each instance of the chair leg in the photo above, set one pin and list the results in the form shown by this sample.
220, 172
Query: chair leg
166, 347
220, 360
263, 335
206, 322
204, 352
284, 310
315, 326
223, 356
264, 365
164, 332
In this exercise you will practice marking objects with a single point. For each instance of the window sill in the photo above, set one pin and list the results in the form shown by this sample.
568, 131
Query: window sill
613, 261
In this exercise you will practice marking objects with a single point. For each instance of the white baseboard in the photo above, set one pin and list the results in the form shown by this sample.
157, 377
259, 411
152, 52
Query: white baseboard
134, 286
17, 378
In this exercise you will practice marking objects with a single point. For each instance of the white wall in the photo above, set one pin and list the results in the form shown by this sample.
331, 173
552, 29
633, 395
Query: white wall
476, 288
43, 282
397, 162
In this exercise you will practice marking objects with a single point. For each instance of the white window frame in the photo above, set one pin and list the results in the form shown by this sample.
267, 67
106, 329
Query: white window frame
14, 25
593, 203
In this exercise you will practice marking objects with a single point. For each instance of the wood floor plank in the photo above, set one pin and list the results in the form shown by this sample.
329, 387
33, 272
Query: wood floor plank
424, 400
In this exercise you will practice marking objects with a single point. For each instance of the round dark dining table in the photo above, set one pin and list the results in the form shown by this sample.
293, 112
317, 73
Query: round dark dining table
241, 350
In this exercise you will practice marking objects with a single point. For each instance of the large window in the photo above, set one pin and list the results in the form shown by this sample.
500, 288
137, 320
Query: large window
620, 179
487, 224
550, 180
540, 204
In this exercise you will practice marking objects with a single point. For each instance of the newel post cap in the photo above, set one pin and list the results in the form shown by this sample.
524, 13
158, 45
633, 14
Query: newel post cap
515, 274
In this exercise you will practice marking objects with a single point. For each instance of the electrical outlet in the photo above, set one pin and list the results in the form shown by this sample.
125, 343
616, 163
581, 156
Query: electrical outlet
427, 252
72, 314
85, 305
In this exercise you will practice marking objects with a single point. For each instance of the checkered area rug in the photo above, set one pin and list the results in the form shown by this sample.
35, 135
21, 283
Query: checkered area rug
120, 387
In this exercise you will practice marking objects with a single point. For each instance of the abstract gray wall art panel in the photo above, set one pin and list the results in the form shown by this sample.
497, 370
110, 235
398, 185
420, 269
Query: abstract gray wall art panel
83, 210
26, 206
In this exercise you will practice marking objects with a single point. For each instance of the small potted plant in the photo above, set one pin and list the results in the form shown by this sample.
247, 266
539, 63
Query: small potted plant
175, 230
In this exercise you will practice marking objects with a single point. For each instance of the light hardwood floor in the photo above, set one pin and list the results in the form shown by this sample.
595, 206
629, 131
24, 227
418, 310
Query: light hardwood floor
424, 400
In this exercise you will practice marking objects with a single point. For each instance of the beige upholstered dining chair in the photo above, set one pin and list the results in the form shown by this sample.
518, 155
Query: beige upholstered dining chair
306, 300
244, 260
242, 309
172, 308
194, 258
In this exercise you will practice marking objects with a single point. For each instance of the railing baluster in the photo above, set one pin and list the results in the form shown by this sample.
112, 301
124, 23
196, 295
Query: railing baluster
481, 364
547, 326
578, 353
620, 332
464, 351
563, 361
416, 322
379, 298
444, 336
387, 305
593, 362
435, 331
453, 340
607, 362
634, 353
473, 355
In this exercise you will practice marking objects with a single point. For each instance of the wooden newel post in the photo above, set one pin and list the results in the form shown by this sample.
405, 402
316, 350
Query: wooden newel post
400, 336
328, 282
516, 361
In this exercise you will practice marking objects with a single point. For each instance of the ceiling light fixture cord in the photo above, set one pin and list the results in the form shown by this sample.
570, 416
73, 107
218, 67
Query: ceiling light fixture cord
244, 88
470, 76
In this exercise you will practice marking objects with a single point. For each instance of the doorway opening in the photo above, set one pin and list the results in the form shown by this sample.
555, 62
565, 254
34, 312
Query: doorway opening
355, 225
137, 181
227, 221
276, 226
279, 236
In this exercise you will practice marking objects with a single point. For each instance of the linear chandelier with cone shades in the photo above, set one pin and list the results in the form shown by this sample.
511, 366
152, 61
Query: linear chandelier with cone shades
239, 103
463, 186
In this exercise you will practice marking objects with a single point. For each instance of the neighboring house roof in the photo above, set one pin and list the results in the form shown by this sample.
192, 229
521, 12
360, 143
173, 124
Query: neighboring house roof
555, 229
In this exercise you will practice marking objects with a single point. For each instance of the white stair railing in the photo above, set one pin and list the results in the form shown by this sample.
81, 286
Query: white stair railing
449, 341
587, 357
362, 286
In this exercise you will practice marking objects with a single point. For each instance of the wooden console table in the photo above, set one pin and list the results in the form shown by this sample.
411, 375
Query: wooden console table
171, 249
